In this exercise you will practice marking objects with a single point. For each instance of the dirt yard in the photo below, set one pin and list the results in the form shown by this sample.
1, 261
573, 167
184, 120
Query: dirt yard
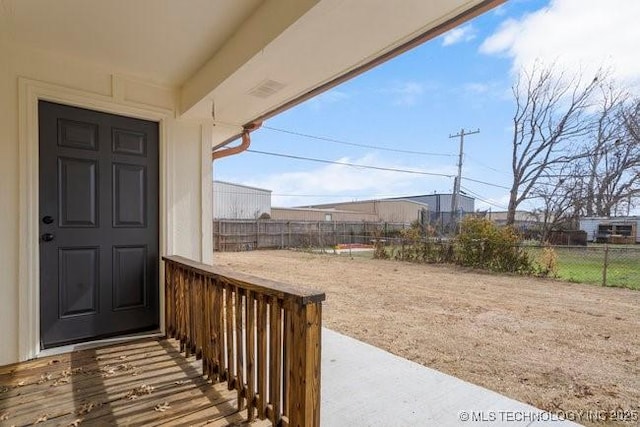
555, 345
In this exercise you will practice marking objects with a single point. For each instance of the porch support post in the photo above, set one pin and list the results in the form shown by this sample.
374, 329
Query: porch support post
304, 374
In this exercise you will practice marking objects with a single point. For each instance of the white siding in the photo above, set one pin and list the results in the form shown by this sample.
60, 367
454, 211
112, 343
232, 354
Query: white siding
590, 224
234, 201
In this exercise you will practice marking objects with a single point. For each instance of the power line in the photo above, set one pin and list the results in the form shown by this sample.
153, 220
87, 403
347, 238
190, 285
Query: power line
485, 183
353, 196
355, 144
478, 197
474, 160
331, 162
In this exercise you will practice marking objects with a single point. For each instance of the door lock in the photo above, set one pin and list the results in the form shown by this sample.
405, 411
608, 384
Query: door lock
47, 219
47, 237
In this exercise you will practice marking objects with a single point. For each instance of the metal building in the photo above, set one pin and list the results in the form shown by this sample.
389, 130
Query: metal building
313, 214
236, 201
387, 210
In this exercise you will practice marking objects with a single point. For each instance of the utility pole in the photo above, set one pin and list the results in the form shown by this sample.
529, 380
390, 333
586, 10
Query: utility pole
455, 200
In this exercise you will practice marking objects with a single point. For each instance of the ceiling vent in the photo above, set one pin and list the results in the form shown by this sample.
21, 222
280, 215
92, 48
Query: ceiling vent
266, 88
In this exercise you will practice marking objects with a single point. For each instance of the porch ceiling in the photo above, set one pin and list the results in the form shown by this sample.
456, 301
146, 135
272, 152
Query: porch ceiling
248, 56
165, 41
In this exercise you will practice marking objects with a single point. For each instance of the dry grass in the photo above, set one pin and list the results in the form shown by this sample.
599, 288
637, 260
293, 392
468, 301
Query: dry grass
555, 345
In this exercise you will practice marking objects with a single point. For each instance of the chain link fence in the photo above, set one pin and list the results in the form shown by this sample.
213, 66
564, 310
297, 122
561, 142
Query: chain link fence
608, 265
603, 264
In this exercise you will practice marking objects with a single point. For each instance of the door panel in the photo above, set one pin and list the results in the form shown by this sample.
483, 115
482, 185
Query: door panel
77, 192
129, 268
74, 134
78, 278
129, 207
99, 224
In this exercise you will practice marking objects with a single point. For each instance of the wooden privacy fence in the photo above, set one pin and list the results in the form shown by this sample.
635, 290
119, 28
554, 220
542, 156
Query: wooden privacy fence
261, 337
245, 235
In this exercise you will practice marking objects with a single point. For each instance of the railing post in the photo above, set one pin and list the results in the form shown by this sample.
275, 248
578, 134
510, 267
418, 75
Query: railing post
276, 348
304, 362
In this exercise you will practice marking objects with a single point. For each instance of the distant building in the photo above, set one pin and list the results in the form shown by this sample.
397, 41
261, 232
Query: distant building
441, 207
316, 214
386, 210
619, 229
522, 220
236, 201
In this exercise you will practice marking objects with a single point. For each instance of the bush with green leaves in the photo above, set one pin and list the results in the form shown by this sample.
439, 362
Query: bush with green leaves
418, 244
482, 244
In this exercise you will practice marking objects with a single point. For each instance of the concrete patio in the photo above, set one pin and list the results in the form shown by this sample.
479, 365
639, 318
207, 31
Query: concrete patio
363, 385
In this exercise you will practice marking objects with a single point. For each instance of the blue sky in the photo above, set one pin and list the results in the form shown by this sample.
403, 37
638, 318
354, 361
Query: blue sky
415, 101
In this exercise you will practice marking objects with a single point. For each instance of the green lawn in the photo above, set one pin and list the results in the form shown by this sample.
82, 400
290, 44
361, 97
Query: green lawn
585, 265
580, 264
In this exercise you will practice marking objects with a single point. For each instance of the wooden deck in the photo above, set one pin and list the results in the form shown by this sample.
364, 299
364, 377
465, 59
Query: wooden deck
141, 383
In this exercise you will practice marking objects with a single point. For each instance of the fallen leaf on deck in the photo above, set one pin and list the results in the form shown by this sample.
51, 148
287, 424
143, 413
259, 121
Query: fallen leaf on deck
87, 407
4, 416
162, 407
42, 419
20, 384
44, 378
76, 423
60, 381
139, 391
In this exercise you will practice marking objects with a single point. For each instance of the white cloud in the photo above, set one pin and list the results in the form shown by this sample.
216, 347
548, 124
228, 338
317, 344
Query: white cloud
478, 88
458, 35
406, 93
328, 98
500, 10
576, 35
344, 183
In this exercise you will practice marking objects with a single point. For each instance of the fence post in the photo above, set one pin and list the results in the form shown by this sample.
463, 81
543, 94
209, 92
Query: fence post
605, 265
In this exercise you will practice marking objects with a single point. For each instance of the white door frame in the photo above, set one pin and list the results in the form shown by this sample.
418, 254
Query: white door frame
30, 92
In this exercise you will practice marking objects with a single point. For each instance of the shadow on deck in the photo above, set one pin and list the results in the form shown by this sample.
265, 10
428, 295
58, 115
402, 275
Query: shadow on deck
141, 383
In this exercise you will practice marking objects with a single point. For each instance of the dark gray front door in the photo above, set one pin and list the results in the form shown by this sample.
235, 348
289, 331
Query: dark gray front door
98, 224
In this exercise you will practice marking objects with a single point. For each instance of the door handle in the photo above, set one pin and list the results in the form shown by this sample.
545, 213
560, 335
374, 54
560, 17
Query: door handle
47, 237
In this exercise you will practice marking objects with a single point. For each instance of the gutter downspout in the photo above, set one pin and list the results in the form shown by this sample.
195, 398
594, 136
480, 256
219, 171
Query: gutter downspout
219, 151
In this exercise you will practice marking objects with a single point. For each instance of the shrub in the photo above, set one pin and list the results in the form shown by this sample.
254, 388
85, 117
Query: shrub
379, 250
418, 245
482, 244
547, 262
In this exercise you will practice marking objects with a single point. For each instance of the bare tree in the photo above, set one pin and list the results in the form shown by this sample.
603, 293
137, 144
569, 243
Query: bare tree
560, 195
613, 167
550, 113
604, 177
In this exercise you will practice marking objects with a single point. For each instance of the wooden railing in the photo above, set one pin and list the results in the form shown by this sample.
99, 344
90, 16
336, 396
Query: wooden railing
261, 337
